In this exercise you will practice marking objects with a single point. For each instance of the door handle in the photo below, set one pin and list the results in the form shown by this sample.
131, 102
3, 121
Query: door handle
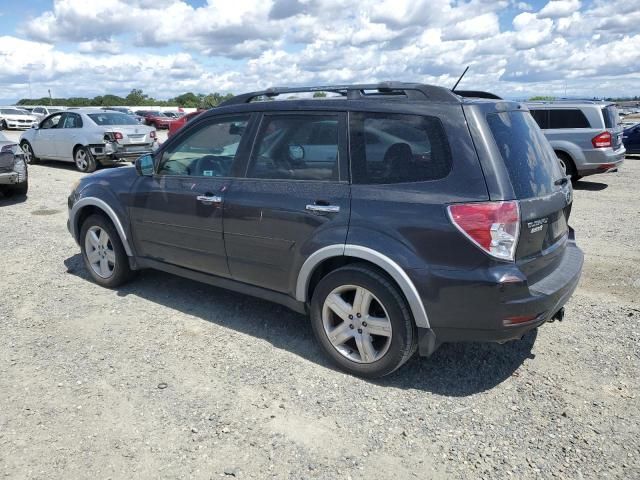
209, 199
323, 208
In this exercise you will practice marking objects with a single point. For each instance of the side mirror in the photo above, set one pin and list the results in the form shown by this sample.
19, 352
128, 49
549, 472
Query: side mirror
144, 165
296, 152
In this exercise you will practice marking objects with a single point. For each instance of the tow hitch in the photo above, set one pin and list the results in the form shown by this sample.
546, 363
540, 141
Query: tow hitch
559, 315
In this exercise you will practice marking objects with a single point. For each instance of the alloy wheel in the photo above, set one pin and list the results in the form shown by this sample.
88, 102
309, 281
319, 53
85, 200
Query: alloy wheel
356, 324
100, 252
81, 159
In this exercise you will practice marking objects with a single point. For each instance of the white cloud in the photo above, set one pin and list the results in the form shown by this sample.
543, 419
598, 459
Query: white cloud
559, 8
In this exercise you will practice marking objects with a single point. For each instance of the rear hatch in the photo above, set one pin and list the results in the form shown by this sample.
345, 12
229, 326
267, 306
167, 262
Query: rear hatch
544, 195
612, 124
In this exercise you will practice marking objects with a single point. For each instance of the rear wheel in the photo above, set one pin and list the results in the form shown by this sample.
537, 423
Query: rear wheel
567, 165
103, 253
84, 160
19, 188
362, 322
28, 152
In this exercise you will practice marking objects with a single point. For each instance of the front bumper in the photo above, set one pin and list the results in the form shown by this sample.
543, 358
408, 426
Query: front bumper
474, 305
19, 125
9, 178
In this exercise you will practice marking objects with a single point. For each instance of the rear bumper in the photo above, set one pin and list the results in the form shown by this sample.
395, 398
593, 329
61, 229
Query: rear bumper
114, 151
601, 161
9, 178
476, 305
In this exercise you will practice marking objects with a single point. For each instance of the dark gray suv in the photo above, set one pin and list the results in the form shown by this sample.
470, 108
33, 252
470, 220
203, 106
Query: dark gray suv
399, 216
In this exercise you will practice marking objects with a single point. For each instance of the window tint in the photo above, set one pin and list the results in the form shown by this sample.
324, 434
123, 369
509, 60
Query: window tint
112, 118
531, 162
567, 118
52, 121
71, 120
207, 151
297, 147
395, 148
541, 117
610, 115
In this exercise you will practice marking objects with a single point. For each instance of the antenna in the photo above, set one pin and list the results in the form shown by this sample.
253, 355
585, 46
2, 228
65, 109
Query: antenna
465, 71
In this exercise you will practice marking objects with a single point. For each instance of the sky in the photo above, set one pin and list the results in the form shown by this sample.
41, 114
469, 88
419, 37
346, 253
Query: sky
514, 48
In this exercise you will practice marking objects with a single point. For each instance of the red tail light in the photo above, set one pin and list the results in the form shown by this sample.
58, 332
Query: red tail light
492, 226
602, 140
117, 136
152, 134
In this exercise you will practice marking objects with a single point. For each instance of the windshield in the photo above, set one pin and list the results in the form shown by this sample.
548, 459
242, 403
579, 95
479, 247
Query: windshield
531, 162
13, 111
52, 110
112, 118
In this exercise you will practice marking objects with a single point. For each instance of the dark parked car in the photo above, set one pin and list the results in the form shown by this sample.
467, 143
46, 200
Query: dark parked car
631, 139
14, 176
399, 217
155, 118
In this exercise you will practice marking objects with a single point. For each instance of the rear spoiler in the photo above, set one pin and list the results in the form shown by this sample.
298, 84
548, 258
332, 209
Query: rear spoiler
477, 94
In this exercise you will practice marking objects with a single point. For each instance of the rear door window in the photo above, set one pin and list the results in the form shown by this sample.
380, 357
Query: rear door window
531, 162
541, 117
396, 148
567, 118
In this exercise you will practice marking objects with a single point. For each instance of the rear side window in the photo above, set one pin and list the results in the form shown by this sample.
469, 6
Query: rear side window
610, 115
531, 162
395, 148
541, 117
567, 118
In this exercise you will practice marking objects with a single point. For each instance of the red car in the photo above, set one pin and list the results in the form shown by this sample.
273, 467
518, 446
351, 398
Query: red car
180, 122
155, 118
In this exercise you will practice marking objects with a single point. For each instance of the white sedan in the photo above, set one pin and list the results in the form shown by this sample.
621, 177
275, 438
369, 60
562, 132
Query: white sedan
13, 118
87, 137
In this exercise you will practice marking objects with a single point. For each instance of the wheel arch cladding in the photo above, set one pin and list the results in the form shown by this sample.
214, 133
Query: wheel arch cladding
383, 262
84, 207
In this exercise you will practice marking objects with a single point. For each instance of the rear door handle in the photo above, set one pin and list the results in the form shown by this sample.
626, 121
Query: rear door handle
209, 199
323, 208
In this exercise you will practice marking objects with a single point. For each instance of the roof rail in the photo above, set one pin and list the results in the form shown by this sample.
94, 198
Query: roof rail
413, 91
569, 100
477, 94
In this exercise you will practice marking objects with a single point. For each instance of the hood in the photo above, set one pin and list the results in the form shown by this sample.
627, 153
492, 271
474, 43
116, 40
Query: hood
18, 117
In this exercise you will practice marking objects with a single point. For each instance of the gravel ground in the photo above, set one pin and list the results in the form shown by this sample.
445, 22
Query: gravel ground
168, 378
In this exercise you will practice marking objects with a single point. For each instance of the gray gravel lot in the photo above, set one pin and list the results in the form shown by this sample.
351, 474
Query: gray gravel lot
168, 378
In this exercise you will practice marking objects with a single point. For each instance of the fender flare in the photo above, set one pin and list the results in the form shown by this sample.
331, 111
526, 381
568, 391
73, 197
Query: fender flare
385, 263
104, 206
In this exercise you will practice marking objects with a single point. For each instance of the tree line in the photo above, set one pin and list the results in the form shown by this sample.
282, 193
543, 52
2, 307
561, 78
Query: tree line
135, 98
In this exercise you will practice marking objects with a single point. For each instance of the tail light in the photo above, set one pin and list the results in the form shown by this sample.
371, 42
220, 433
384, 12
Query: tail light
152, 134
602, 140
117, 136
492, 226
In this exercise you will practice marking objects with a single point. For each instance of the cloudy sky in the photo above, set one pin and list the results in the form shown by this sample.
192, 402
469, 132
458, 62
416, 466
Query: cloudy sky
166, 47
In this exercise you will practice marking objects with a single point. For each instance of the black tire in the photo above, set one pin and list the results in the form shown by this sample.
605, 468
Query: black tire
83, 160
3, 125
122, 273
28, 150
570, 166
404, 336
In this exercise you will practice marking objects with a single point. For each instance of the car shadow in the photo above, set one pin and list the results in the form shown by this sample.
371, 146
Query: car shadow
589, 186
458, 370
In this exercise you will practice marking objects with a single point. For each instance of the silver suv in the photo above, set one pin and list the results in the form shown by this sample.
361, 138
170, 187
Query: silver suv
586, 135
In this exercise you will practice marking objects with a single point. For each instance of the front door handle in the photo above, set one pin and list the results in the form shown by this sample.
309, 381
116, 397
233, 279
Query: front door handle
209, 199
323, 208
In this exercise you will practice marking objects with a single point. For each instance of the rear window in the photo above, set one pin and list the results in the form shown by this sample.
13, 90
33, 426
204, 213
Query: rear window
395, 148
567, 118
610, 115
112, 118
531, 162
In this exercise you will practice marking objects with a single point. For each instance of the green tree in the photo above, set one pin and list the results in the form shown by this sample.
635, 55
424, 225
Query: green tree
541, 98
136, 97
320, 95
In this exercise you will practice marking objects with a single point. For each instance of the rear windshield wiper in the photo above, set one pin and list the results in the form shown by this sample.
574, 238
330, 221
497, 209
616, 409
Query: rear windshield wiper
561, 181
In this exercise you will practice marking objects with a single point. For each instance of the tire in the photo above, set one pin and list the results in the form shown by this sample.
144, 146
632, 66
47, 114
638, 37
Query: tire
3, 125
83, 160
28, 152
391, 342
95, 247
566, 162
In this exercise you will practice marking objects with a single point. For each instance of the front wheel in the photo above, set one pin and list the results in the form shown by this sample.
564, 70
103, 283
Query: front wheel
28, 152
103, 252
84, 160
3, 125
362, 322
